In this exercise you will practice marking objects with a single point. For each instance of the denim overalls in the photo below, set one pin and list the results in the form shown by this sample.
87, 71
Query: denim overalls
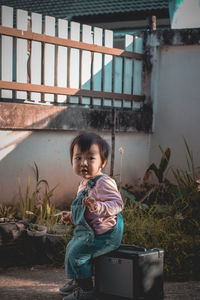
85, 245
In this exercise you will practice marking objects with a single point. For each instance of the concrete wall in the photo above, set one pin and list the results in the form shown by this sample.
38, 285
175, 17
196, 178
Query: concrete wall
173, 86
176, 97
49, 149
184, 13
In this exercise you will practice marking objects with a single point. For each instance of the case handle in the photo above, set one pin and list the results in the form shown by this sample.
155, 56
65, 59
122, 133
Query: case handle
132, 247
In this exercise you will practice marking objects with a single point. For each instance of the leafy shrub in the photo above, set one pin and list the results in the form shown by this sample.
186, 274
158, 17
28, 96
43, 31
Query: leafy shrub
168, 218
182, 252
182, 257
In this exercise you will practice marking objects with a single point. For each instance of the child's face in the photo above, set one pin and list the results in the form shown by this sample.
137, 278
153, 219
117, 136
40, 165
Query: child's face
87, 164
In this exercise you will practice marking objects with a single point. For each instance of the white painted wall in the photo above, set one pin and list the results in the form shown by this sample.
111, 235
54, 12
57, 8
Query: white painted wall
175, 90
184, 13
176, 103
50, 150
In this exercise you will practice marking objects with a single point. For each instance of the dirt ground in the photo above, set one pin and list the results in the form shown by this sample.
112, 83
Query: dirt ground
43, 282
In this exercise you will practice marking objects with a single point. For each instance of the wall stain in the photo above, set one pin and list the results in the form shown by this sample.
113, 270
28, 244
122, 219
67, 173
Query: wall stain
190, 37
74, 118
173, 37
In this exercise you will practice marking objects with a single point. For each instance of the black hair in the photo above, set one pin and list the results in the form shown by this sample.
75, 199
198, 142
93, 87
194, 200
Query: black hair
86, 139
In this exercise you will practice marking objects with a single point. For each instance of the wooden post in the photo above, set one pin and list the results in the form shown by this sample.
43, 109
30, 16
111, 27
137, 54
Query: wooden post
153, 22
113, 142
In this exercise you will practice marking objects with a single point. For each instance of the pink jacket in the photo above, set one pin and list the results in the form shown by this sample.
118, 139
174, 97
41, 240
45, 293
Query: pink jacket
109, 204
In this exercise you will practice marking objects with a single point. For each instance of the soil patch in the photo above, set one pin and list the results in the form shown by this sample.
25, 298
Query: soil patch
43, 281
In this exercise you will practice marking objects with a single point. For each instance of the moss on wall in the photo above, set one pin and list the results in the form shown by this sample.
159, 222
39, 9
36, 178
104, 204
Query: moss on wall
37, 117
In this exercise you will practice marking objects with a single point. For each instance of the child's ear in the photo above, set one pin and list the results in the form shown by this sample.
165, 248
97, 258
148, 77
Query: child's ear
104, 164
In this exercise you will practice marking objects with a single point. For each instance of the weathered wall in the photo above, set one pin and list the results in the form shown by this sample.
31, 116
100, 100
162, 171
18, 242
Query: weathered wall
42, 134
175, 91
49, 149
184, 13
172, 84
49, 117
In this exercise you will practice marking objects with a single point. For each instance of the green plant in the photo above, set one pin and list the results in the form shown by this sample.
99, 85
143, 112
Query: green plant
187, 178
46, 208
148, 229
161, 191
186, 194
35, 206
160, 170
53, 220
34, 227
171, 220
7, 213
130, 200
148, 193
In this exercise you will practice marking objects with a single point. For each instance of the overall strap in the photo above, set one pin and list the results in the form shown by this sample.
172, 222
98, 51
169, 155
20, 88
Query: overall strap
92, 182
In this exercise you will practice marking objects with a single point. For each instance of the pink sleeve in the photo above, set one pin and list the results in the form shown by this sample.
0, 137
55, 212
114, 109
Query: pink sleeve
109, 201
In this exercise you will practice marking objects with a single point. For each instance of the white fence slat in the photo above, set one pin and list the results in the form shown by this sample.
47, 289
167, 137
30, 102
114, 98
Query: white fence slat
137, 83
108, 62
36, 56
22, 53
128, 73
137, 74
118, 75
97, 61
74, 100
74, 79
107, 82
49, 58
118, 79
97, 64
117, 103
97, 101
107, 102
138, 44
6, 50
7, 16
128, 69
62, 59
86, 101
86, 61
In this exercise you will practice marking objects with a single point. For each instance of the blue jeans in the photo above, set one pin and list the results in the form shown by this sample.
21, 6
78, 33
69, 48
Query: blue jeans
85, 245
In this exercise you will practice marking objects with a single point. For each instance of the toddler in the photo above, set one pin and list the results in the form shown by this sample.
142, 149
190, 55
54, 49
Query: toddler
95, 213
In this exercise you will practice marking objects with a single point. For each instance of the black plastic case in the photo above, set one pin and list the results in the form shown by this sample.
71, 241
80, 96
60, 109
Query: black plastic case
130, 272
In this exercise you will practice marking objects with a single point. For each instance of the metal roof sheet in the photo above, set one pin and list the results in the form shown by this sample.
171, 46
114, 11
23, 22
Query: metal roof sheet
75, 8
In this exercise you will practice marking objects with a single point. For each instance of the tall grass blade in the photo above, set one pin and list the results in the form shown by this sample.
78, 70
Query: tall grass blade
36, 171
190, 154
43, 181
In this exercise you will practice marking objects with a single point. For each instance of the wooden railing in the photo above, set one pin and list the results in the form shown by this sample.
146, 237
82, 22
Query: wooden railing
46, 66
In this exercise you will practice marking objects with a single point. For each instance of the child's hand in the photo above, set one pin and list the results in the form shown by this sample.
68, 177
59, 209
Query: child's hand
66, 217
90, 203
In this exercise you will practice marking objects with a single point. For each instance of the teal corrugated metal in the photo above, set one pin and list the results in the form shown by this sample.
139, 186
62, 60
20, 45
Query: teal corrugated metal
64, 8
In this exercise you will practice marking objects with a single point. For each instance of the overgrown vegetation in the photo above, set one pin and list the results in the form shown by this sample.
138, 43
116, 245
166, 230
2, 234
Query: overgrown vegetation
7, 213
166, 215
163, 214
36, 205
35, 208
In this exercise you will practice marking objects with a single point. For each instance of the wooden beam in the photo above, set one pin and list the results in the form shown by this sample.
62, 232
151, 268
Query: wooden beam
67, 91
67, 42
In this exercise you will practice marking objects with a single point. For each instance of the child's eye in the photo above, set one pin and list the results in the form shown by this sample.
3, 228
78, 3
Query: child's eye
90, 158
77, 158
